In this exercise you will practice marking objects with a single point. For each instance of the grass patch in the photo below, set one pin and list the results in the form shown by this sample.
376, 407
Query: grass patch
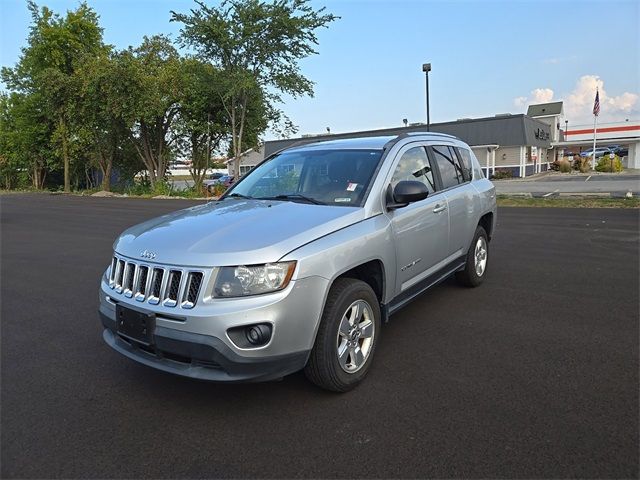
594, 202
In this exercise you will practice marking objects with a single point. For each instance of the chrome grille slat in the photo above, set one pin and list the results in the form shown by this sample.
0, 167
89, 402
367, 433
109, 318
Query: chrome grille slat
156, 285
170, 287
141, 283
112, 272
119, 275
173, 288
192, 289
129, 276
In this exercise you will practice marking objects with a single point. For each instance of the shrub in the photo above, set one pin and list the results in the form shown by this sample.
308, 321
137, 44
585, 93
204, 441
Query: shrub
605, 163
217, 189
583, 164
564, 166
501, 173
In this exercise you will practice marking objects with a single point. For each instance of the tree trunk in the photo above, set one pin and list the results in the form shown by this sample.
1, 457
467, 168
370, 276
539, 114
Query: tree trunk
38, 177
106, 176
65, 156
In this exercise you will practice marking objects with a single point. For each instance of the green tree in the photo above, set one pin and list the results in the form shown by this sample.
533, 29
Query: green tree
103, 108
202, 123
257, 46
25, 139
151, 90
57, 45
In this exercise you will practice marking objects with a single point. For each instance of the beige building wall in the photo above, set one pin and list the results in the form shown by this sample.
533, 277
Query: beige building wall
508, 156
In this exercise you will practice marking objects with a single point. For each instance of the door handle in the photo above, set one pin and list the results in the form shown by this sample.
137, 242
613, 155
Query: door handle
439, 208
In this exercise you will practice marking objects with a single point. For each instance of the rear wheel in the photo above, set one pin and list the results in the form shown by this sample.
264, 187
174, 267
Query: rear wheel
477, 258
347, 336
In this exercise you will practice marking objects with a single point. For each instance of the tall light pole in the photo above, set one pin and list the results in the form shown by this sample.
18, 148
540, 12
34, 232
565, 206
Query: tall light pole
426, 68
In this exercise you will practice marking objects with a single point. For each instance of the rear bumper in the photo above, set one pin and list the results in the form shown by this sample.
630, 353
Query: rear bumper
201, 357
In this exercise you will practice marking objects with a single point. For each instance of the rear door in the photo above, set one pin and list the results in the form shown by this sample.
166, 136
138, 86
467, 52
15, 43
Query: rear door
421, 229
455, 175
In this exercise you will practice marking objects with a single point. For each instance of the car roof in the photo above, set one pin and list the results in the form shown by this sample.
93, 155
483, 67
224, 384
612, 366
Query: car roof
373, 143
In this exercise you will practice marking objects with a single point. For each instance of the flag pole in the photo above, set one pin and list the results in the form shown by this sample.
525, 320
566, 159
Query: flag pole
593, 152
596, 111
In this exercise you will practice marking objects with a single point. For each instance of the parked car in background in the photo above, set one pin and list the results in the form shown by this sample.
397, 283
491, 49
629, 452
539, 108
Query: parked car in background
299, 270
218, 179
180, 165
600, 151
619, 150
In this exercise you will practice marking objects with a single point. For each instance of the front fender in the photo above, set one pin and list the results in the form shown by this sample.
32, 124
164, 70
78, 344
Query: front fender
332, 255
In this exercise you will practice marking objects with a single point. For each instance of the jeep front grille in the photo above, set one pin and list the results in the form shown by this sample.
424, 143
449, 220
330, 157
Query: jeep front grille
170, 287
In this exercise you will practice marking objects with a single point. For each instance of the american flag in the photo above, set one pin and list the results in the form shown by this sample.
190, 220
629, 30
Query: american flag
596, 104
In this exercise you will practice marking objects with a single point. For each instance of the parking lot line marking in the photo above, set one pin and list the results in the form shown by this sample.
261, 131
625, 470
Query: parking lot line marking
550, 193
588, 178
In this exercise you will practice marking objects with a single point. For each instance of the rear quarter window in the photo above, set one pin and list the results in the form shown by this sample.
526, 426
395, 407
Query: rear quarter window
466, 163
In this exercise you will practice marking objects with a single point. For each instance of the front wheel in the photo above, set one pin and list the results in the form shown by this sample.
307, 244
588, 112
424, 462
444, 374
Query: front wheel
475, 268
346, 338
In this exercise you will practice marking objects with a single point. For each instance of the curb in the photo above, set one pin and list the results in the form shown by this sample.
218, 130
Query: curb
515, 195
586, 195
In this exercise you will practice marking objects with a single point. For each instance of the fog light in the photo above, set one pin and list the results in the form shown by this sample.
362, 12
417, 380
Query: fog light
258, 334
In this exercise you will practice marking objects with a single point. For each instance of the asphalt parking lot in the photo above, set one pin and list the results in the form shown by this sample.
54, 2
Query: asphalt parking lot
534, 374
616, 185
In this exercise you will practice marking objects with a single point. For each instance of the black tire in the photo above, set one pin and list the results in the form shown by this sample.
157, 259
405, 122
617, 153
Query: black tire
324, 368
469, 277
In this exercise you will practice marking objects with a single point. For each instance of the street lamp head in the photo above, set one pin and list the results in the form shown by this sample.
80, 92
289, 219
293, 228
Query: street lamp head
426, 67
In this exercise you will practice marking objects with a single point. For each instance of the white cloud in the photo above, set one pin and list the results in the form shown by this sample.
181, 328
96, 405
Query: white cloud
542, 95
578, 104
539, 95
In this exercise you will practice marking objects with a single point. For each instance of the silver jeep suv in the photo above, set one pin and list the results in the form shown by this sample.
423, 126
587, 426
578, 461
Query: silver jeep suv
301, 261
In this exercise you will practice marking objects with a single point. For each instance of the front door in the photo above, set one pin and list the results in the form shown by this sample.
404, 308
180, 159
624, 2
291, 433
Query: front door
421, 229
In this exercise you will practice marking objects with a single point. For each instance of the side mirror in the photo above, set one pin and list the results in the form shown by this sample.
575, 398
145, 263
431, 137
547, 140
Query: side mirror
406, 192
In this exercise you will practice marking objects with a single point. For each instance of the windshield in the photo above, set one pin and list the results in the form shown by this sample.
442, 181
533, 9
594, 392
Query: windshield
329, 177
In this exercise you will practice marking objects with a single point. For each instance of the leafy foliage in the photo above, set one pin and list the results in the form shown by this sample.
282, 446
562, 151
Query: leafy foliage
605, 164
80, 113
257, 46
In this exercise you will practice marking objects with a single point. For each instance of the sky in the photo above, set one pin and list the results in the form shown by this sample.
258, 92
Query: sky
487, 57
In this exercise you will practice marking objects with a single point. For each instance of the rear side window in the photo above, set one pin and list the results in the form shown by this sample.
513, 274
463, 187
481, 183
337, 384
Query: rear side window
414, 165
447, 161
465, 159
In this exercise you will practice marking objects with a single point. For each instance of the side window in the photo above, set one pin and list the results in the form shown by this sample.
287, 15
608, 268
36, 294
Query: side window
414, 165
450, 171
465, 159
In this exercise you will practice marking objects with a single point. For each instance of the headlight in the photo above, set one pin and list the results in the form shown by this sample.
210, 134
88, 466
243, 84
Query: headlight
253, 279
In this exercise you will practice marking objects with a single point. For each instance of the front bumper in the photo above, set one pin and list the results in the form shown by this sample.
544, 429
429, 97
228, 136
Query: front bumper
201, 357
197, 345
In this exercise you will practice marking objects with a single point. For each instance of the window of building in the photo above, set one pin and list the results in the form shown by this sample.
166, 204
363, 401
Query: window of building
245, 169
450, 170
414, 165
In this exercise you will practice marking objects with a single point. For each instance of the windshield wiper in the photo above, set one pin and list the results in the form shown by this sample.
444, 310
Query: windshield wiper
237, 195
294, 196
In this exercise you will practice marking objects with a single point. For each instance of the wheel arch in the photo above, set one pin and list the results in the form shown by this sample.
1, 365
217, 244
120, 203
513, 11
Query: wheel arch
486, 222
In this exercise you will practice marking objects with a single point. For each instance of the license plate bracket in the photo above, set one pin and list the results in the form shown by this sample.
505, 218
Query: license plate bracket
135, 325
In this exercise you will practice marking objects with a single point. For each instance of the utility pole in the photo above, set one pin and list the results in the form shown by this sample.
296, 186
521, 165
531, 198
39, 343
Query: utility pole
206, 167
426, 68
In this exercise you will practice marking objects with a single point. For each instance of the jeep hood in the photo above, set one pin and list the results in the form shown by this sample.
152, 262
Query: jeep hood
233, 232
